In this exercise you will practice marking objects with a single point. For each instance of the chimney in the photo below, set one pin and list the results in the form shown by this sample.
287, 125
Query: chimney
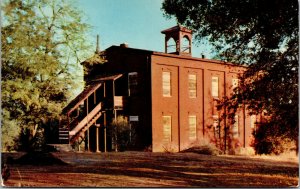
97, 46
124, 45
202, 55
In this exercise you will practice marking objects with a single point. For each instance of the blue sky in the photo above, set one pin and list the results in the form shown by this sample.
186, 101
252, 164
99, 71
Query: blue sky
136, 22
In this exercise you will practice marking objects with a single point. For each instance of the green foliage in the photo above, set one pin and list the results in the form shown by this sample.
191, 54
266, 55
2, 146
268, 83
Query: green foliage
9, 132
120, 131
41, 41
275, 143
262, 34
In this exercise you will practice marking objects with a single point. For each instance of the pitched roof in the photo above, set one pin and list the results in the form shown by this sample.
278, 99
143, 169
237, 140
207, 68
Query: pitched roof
176, 28
88, 90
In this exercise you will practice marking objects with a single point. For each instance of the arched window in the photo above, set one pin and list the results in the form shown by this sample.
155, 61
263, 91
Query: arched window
185, 44
171, 45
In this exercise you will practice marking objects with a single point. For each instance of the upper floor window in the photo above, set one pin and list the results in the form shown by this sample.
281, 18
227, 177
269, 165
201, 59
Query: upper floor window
192, 127
166, 84
252, 121
132, 83
167, 129
215, 87
235, 83
192, 85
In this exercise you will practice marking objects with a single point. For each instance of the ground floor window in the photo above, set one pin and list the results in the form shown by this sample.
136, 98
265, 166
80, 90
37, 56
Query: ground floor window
235, 128
192, 127
167, 129
216, 126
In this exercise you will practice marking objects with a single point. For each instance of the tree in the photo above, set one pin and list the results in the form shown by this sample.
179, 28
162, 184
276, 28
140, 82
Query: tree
43, 42
263, 35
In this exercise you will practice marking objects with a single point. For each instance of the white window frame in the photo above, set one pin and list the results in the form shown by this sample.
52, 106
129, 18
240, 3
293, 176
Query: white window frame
167, 84
215, 86
235, 127
252, 121
235, 83
192, 127
216, 123
167, 128
192, 85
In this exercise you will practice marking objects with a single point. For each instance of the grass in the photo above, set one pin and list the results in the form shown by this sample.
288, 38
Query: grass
146, 169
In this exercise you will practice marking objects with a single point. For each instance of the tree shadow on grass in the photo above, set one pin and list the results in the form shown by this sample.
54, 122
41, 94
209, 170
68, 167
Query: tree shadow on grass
176, 169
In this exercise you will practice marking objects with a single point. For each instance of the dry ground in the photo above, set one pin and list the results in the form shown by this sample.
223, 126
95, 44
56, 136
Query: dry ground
145, 169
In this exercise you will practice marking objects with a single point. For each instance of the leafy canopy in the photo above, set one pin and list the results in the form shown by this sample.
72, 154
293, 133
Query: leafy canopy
262, 34
42, 43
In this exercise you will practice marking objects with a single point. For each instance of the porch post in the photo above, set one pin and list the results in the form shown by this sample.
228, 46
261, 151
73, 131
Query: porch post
104, 131
88, 130
97, 138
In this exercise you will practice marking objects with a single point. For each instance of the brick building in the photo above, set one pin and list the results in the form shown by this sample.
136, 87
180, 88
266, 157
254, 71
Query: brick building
169, 98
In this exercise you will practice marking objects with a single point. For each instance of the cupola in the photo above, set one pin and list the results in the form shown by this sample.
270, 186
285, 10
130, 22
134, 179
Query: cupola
178, 40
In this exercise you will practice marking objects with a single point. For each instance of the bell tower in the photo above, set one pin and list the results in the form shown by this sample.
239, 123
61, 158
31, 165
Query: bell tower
178, 40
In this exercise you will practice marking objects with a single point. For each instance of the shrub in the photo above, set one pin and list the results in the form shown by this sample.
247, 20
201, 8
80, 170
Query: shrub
122, 135
203, 147
169, 149
248, 151
266, 142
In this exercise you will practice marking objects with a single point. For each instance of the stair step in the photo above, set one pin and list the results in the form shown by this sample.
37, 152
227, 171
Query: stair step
80, 134
63, 138
66, 132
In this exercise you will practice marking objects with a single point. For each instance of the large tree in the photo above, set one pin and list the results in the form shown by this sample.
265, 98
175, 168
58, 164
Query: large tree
43, 42
262, 34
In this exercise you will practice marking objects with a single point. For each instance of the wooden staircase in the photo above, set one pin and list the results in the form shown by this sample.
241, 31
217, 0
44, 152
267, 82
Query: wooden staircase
83, 111
63, 135
73, 129
78, 132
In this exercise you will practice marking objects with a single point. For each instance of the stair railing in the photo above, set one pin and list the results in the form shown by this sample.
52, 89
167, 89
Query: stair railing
86, 120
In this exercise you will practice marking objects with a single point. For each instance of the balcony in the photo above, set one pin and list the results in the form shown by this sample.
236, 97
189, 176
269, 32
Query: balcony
119, 102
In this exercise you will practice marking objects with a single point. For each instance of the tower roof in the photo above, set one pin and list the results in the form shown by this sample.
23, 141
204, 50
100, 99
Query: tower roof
176, 29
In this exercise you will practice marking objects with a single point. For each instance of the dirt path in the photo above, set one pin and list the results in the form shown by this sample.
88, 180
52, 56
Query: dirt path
145, 169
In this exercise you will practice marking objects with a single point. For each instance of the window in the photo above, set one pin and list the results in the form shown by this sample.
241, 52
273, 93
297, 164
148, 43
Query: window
252, 121
166, 83
216, 125
235, 84
215, 87
192, 85
192, 127
167, 128
185, 44
235, 128
132, 83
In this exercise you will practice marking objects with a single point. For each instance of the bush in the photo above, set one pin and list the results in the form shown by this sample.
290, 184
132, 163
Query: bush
203, 147
248, 151
122, 135
169, 148
266, 142
10, 131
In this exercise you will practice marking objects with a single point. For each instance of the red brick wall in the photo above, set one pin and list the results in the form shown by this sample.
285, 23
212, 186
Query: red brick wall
180, 106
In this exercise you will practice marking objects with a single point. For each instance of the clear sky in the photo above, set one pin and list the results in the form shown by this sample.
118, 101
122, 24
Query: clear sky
136, 22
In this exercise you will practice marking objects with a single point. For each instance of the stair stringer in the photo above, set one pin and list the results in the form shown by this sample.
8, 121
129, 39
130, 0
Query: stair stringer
81, 133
